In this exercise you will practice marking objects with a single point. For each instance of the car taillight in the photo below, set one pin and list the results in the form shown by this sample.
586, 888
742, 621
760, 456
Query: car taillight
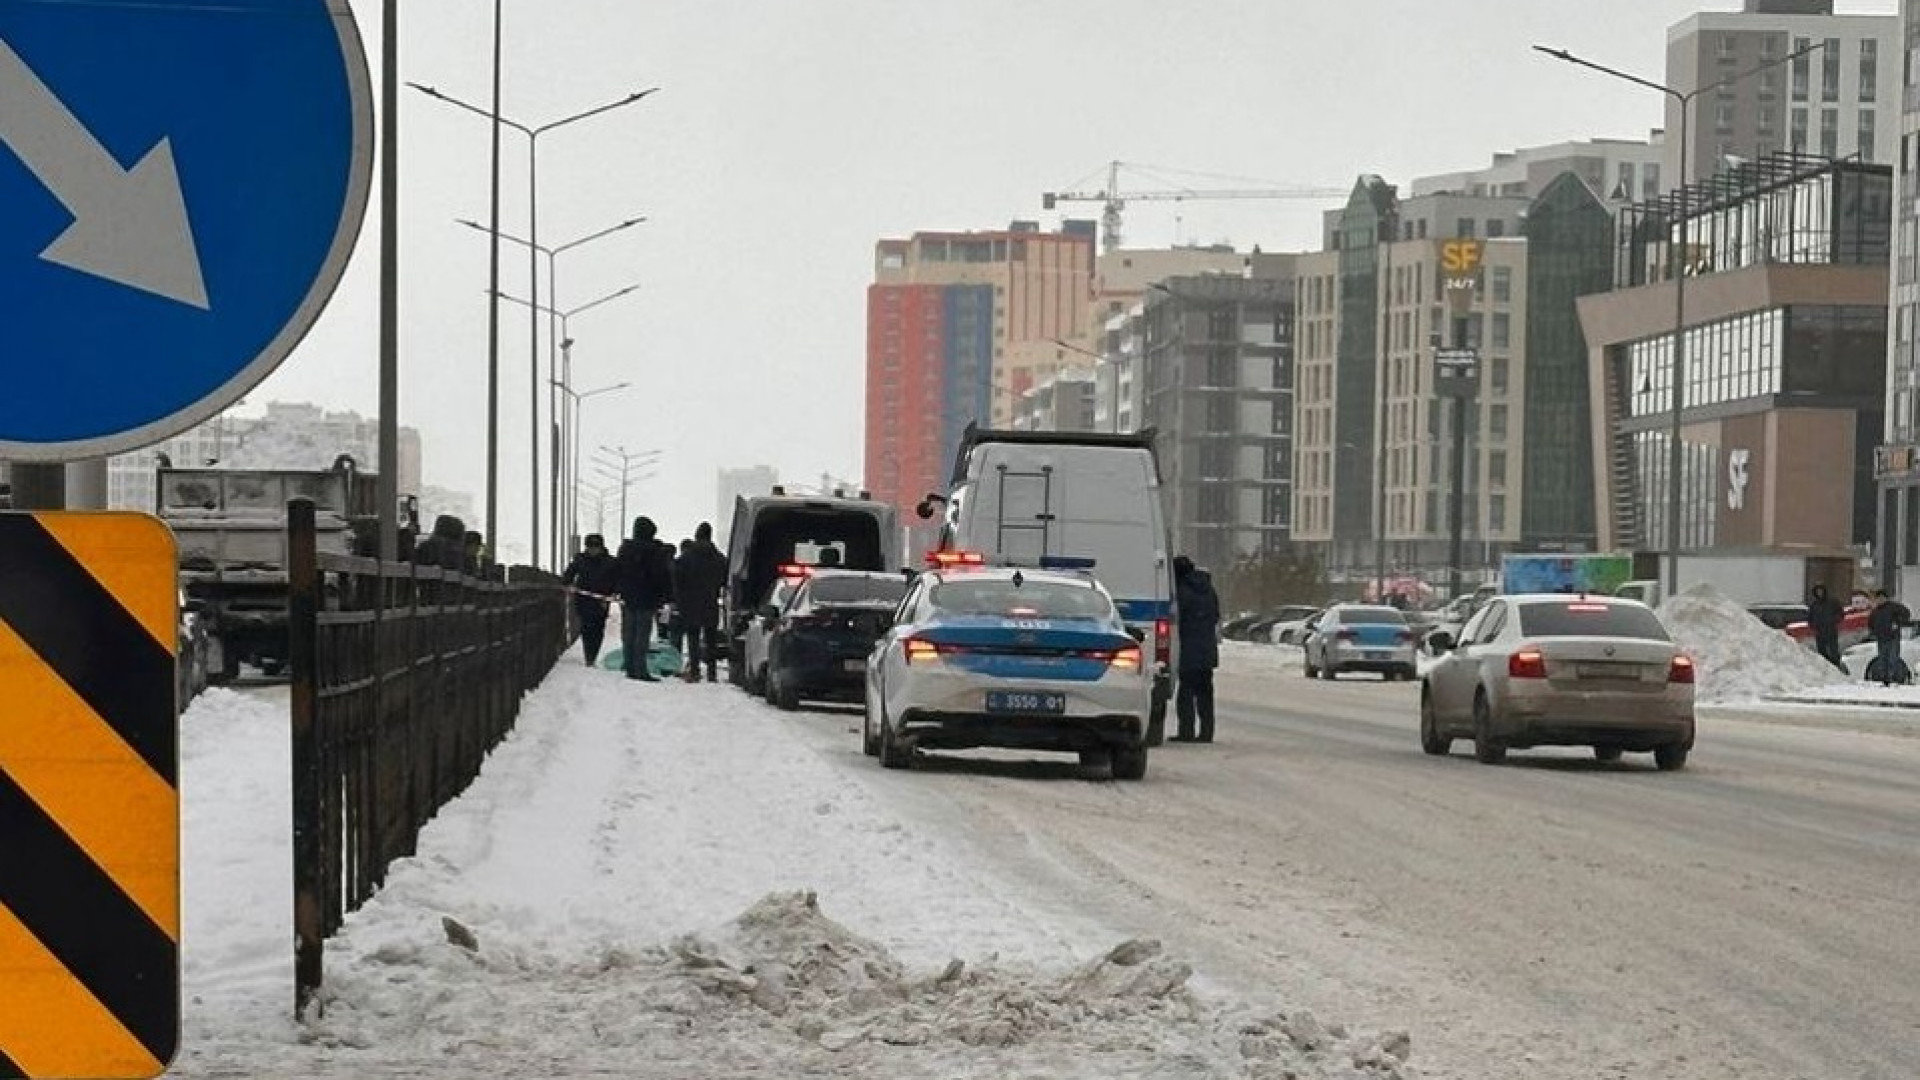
1681, 670
1403, 635
1348, 635
922, 651
1126, 657
1527, 664
794, 570
1162, 641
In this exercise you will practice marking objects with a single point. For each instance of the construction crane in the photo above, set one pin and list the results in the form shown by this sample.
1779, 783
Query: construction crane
1115, 200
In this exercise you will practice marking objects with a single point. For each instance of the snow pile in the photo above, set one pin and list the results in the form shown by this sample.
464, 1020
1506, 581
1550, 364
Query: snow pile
784, 990
1738, 657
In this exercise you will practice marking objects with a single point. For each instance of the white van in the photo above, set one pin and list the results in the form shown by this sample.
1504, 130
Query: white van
1066, 499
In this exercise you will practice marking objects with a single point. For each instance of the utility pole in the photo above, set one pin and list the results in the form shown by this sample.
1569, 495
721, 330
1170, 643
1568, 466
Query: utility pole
388, 482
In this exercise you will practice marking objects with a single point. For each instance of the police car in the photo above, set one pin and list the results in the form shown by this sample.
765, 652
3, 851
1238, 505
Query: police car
1014, 657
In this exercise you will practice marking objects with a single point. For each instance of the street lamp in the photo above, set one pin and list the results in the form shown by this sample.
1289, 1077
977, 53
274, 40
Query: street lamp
621, 467
565, 372
533, 133
573, 450
556, 481
1676, 254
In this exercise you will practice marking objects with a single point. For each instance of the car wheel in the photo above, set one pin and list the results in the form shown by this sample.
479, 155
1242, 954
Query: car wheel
1486, 749
1607, 753
781, 693
1307, 669
1671, 757
1430, 738
1328, 673
1129, 762
892, 754
1095, 759
1157, 718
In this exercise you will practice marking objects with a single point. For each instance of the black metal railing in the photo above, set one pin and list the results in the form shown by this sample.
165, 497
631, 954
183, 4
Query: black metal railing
404, 677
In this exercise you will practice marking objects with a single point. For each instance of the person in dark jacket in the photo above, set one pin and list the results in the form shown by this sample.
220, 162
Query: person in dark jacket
1824, 615
1884, 623
1197, 608
646, 585
697, 580
676, 628
594, 578
445, 547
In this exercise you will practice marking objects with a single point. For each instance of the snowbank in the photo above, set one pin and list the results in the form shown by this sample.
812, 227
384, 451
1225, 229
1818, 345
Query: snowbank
1738, 657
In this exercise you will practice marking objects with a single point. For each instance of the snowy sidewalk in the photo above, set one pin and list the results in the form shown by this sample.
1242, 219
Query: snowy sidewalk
676, 881
1853, 695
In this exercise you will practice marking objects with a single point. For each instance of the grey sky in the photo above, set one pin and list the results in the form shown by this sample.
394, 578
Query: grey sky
788, 136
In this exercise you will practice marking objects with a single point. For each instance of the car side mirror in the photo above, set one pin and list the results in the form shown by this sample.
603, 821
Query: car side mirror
1441, 642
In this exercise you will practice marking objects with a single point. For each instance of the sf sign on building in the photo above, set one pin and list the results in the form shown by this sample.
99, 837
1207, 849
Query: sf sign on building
1460, 263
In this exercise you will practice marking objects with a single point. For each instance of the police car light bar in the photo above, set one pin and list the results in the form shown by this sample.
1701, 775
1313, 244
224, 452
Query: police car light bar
947, 559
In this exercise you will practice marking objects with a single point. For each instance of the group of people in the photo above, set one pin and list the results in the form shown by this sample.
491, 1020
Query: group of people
646, 577
1887, 618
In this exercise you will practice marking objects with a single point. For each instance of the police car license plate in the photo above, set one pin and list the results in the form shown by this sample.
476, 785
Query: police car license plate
1026, 702
854, 665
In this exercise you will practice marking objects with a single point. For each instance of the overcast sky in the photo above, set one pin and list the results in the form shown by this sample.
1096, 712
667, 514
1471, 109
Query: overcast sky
787, 137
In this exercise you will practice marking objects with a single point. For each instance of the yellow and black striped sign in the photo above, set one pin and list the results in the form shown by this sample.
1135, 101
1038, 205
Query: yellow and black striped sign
89, 796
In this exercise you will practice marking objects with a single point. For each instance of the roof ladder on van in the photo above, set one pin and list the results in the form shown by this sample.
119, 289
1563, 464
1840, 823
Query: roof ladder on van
1024, 483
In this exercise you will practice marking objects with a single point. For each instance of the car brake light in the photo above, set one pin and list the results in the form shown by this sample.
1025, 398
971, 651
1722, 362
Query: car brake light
948, 559
1681, 670
794, 570
1588, 608
1348, 635
1126, 657
1162, 641
921, 650
1527, 663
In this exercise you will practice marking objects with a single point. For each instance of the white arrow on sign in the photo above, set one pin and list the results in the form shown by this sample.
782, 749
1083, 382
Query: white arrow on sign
129, 225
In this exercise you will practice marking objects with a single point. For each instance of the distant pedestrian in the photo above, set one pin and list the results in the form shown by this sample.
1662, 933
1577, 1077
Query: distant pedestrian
697, 580
1885, 623
1197, 611
646, 584
445, 547
1824, 615
594, 578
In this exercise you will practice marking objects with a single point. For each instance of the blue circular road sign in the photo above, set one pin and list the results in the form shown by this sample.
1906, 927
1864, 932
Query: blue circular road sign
181, 184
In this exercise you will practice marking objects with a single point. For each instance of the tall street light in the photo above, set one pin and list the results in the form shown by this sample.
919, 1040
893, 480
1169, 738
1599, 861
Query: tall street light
565, 373
619, 466
556, 482
578, 400
1676, 262
533, 133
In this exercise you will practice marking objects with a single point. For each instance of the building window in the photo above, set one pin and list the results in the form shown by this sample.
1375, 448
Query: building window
1723, 116
1496, 227
1502, 330
1503, 279
1463, 228
1497, 374
1869, 69
1802, 67
1797, 134
1497, 422
1649, 181
1497, 468
1496, 513
1830, 71
1866, 134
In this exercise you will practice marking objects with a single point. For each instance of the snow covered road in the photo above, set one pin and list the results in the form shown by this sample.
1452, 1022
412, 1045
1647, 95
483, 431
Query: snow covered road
1556, 918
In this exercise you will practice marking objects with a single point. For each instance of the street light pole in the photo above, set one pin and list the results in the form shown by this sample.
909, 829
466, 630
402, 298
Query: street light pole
492, 540
579, 400
388, 464
560, 484
1676, 262
532, 133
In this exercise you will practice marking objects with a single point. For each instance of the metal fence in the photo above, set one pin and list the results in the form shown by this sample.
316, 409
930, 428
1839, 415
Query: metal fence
404, 677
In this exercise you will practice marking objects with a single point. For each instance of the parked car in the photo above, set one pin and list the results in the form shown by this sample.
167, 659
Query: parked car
1267, 629
1779, 616
1554, 670
1235, 629
766, 615
818, 646
1360, 637
1853, 628
1292, 631
1015, 658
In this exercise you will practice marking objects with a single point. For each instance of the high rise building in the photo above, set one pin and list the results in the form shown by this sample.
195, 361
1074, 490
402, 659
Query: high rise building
1218, 373
1897, 463
959, 326
1619, 170
1841, 100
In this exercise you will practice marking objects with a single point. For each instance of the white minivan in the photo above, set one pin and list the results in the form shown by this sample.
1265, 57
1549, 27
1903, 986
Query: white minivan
1067, 500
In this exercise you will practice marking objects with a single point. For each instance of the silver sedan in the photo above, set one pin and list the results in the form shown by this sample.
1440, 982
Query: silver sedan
1561, 670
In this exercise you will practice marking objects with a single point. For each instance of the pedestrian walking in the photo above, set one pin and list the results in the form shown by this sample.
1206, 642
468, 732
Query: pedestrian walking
646, 584
594, 578
1824, 614
1884, 623
697, 580
1197, 611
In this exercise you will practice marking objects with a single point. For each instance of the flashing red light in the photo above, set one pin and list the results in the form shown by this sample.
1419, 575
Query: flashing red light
947, 560
1681, 670
1527, 663
794, 570
1162, 641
